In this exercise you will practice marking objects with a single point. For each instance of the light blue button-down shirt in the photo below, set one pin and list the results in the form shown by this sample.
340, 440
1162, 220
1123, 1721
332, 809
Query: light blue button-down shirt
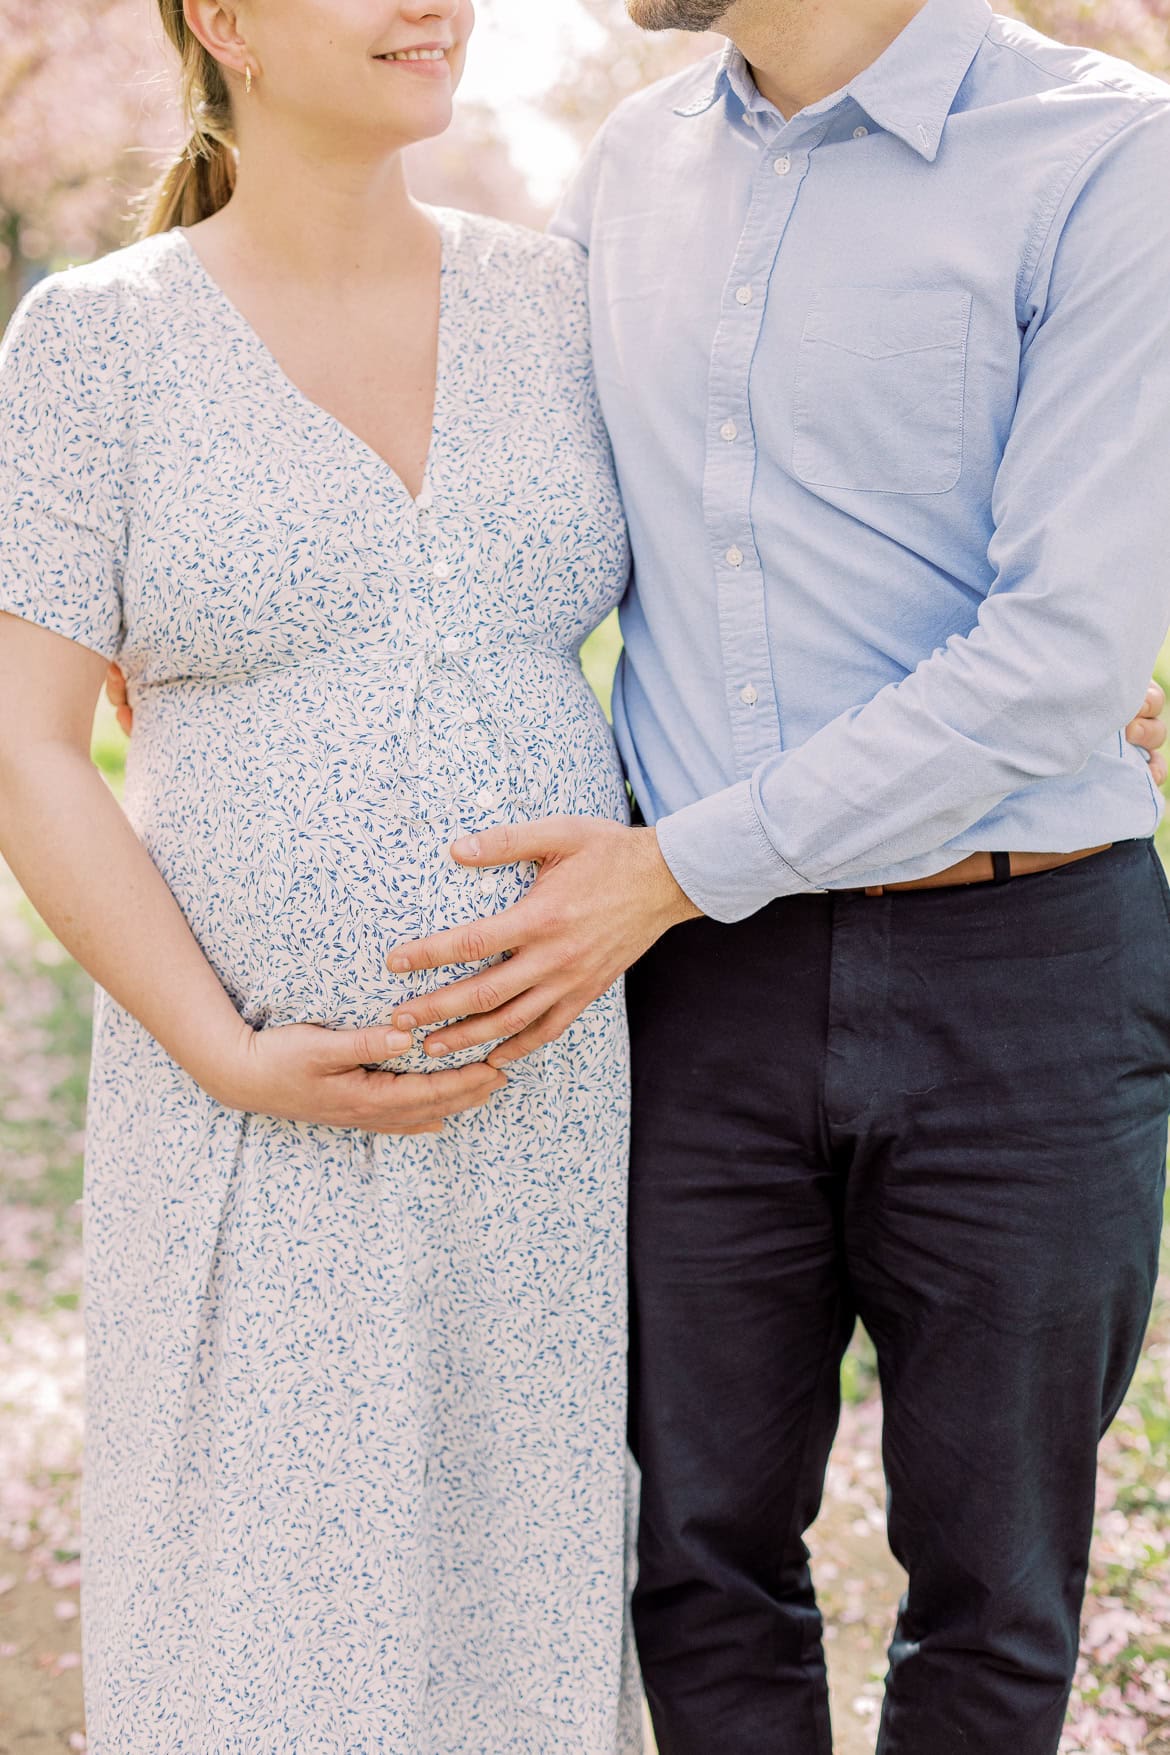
889, 391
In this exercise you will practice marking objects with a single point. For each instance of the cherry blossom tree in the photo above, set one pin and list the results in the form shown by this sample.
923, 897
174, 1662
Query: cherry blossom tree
89, 115
1138, 30
83, 110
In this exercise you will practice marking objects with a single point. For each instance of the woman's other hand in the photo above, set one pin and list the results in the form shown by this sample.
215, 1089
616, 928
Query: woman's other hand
329, 1078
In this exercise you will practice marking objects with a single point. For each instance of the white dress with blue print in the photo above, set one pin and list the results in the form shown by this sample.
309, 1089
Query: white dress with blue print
355, 1467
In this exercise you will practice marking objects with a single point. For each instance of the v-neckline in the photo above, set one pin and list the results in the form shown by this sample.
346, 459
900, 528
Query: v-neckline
293, 390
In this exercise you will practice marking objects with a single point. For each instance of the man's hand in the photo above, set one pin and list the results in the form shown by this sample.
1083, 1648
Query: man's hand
603, 895
118, 698
1148, 731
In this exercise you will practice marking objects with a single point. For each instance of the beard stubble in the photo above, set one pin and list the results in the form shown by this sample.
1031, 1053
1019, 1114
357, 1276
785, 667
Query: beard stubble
693, 15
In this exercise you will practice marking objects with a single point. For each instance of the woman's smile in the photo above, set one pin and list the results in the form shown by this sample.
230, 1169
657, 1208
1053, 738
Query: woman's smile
429, 60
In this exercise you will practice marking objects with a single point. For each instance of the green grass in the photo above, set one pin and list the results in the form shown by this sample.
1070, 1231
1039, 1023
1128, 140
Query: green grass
599, 656
109, 744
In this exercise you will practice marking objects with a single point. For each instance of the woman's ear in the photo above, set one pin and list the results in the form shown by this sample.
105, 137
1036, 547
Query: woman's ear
217, 25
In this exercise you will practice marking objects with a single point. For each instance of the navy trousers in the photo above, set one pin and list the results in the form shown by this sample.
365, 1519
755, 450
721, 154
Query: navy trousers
944, 1111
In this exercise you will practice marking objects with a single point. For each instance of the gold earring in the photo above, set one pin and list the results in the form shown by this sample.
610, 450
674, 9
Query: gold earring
248, 80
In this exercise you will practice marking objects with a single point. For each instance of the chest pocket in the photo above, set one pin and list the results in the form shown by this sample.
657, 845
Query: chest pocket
879, 390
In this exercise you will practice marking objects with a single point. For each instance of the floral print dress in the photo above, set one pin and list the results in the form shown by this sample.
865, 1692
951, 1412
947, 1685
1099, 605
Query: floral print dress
355, 1468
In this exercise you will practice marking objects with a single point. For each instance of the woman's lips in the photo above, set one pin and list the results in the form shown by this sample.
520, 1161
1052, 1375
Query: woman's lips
430, 62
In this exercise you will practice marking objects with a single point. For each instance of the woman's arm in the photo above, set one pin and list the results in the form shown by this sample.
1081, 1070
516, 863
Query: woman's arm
74, 852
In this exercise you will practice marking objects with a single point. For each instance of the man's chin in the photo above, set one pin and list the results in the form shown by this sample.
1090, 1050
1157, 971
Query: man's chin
696, 15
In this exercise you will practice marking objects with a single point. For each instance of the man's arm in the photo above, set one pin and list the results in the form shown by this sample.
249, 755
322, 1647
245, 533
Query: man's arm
1079, 605
1061, 651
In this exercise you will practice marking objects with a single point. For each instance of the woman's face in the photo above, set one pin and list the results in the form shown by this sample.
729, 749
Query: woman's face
381, 72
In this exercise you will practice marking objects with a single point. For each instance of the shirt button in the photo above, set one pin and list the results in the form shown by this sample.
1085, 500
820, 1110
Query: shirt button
860, 133
743, 295
782, 165
735, 557
748, 696
425, 500
441, 570
486, 800
729, 431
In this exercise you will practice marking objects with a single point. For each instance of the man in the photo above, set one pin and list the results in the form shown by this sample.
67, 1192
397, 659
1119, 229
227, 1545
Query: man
882, 337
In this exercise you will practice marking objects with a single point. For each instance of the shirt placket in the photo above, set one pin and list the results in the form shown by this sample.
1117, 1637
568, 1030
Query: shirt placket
730, 468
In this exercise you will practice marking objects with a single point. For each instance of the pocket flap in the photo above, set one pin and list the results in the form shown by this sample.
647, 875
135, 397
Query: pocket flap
882, 321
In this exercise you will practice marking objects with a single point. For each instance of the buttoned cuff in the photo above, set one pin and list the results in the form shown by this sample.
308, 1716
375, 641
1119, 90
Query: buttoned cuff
722, 859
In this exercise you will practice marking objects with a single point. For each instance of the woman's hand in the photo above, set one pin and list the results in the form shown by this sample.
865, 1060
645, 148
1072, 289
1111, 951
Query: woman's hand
94, 884
328, 1078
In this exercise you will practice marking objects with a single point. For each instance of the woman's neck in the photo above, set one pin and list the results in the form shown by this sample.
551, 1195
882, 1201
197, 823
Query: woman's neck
321, 218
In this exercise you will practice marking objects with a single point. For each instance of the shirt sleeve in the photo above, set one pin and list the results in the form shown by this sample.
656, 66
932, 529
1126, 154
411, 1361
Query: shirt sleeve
63, 466
1065, 641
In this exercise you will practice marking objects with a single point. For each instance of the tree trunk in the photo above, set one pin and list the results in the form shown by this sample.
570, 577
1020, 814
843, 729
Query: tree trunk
12, 277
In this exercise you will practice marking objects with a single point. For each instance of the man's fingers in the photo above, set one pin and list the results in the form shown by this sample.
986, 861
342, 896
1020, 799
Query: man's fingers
116, 686
1154, 702
507, 1021
1158, 770
462, 944
513, 842
118, 699
493, 987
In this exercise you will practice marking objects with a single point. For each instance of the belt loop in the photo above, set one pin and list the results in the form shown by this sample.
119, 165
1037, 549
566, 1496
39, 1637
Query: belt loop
1001, 866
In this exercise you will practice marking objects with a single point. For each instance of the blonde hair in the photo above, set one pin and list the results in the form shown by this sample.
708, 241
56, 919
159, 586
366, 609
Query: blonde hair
200, 182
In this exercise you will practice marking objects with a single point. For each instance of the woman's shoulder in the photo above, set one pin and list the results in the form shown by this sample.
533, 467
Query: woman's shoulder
527, 274
513, 249
98, 305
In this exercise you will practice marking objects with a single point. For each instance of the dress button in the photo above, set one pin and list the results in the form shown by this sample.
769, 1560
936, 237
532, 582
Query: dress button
735, 557
782, 165
860, 133
743, 295
486, 800
469, 715
748, 696
452, 643
729, 431
441, 570
425, 500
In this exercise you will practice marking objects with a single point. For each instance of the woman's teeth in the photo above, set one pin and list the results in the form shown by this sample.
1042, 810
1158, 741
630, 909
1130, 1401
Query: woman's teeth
417, 55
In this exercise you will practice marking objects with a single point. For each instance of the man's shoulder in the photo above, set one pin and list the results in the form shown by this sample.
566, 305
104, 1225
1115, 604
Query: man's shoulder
1054, 68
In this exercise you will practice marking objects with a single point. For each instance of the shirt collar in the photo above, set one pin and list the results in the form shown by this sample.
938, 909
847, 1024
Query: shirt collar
908, 91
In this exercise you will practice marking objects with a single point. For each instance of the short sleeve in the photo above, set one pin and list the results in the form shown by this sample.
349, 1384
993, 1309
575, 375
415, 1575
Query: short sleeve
63, 463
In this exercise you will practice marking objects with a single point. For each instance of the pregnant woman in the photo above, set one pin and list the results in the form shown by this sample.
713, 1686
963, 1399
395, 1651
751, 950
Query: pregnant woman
324, 470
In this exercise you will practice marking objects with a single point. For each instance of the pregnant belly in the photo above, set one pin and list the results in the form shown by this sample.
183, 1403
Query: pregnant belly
303, 820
